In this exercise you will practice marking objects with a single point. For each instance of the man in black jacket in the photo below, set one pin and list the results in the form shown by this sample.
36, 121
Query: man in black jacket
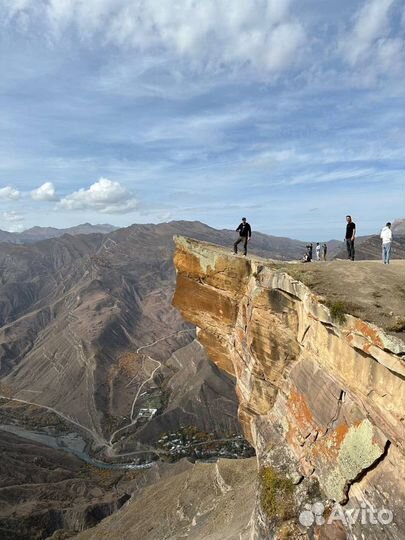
350, 237
245, 232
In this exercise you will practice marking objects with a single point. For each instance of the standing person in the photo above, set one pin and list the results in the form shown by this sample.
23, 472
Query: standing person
350, 237
386, 237
324, 251
318, 251
245, 233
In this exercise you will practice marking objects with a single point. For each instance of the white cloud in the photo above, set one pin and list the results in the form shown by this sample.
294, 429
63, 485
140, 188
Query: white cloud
46, 192
332, 176
13, 221
390, 54
211, 35
369, 33
13, 216
284, 44
207, 127
104, 196
9, 193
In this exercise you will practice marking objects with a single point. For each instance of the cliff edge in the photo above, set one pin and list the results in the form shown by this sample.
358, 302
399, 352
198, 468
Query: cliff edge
321, 390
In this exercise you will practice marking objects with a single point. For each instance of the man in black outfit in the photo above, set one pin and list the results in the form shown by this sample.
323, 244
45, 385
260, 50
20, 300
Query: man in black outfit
245, 232
350, 237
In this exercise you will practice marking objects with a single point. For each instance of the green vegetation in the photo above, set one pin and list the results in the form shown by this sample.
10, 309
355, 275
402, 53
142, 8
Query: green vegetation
338, 310
277, 494
153, 402
32, 417
112, 423
188, 441
104, 477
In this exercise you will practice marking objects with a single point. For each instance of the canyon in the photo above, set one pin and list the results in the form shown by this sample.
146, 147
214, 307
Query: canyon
119, 409
99, 372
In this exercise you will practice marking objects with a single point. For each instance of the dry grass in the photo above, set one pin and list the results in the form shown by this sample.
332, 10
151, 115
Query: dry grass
397, 326
130, 363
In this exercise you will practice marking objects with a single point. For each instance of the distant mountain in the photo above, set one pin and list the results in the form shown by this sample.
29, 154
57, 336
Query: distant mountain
398, 227
35, 234
9, 237
78, 307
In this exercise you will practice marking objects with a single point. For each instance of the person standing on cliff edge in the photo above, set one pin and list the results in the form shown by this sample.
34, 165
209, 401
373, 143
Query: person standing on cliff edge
245, 233
350, 237
386, 237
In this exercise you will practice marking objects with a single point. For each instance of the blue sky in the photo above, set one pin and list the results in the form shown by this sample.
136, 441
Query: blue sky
289, 112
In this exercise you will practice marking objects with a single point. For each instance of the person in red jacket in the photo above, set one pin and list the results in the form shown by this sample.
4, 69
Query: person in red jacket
245, 233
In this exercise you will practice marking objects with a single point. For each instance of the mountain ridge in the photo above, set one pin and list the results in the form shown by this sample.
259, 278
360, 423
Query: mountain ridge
37, 233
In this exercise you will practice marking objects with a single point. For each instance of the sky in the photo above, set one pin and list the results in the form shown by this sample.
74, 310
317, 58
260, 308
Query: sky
288, 112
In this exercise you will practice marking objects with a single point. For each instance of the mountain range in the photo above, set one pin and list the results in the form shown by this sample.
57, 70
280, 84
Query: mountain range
81, 316
35, 234
89, 341
91, 349
280, 247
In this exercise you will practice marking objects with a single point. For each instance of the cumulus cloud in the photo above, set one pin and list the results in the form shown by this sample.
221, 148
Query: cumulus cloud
104, 196
371, 41
9, 193
212, 35
46, 192
13, 221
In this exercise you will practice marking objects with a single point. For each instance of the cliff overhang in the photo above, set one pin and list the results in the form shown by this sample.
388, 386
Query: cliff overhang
318, 398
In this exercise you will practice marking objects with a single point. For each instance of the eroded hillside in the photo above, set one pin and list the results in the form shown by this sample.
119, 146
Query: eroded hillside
86, 320
95, 360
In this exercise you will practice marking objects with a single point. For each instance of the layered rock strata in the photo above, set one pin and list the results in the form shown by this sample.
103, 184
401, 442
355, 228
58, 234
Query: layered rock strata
319, 399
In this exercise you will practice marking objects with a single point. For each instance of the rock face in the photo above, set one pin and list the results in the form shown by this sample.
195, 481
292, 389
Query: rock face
319, 399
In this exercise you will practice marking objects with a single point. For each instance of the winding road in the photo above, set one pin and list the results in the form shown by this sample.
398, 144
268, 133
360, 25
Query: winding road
94, 435
159, 364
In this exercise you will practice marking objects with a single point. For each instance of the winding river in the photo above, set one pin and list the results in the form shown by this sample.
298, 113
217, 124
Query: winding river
72, 443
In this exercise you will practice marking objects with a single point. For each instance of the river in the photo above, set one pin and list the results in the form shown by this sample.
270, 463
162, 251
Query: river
73, 444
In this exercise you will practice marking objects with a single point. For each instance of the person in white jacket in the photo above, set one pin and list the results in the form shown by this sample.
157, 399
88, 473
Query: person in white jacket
386, 237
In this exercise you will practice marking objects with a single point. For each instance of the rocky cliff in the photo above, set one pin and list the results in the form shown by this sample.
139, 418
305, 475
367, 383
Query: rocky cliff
321, 392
